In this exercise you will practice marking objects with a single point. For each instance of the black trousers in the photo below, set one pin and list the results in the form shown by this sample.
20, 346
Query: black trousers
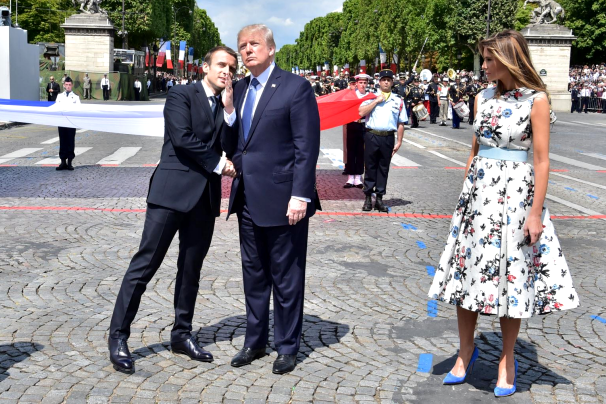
434, 111
355, 148
574, 106
67, 143
584, 104
105, 93
161, 224
414, 121
377, 156
273, 258
471, 105
137, 95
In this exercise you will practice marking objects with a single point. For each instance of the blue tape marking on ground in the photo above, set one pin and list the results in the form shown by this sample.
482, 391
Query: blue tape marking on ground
551, 182
23, 103
570, 189
592, 196
340, 167
408, 226
600, 319
425, 363
421, 245
388, 209
431, 271
432, 308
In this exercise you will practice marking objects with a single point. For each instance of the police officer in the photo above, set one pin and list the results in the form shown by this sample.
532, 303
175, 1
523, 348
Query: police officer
105, 86
67, 136
472, 89
384, 116
574, 97
433, 93
414, 96
454, 96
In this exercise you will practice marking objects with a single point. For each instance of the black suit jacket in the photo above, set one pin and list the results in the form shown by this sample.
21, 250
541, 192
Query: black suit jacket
191, 151
56, 90
279, 158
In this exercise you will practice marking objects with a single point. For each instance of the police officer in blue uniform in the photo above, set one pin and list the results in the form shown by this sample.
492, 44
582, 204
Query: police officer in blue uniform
385, 115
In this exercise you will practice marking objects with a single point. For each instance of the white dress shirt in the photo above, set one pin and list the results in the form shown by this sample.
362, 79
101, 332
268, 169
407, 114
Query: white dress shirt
105, 82
138, 85
263, 78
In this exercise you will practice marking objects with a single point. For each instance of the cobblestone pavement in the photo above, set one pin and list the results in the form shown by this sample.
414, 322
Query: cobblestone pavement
370, 333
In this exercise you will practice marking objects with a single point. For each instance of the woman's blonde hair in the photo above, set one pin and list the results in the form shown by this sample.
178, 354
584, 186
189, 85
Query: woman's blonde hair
511, 49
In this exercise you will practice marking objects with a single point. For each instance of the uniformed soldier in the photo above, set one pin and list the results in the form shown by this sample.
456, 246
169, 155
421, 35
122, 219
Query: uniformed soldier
67, 136
434, 93
86, 86
473, 88
354, 141
400, 87
317, 87
414, 97
455, 94
340, 83
443, 93
385, 115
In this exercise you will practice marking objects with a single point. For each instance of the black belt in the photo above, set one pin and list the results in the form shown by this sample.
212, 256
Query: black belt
381, 132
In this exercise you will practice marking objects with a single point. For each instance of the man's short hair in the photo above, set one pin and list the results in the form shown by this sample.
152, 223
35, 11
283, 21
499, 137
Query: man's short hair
269, 35
209, 55
68, 79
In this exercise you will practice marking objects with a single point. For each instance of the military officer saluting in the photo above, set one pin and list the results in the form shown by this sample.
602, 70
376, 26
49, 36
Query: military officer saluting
414, 96
385, 115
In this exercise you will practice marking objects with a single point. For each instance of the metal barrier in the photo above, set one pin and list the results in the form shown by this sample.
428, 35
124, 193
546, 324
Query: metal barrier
594, 104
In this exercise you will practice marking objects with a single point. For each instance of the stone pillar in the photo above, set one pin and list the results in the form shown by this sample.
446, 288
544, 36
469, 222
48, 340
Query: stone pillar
89, 43
550, 47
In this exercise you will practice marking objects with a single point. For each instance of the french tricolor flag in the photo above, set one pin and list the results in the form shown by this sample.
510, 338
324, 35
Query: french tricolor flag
182, 46
169, 60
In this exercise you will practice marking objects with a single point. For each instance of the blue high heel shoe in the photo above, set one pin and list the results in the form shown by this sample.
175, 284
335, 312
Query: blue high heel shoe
504, 392
452, 379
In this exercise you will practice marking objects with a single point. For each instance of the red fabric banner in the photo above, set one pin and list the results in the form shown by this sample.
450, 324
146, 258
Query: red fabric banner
339, 108
169, 63
160, 59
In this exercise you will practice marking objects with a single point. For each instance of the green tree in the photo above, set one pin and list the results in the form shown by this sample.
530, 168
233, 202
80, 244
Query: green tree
587, 19
42, 18
205, 34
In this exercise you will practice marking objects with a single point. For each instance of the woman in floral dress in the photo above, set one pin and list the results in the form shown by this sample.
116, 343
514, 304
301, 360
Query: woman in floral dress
502, 256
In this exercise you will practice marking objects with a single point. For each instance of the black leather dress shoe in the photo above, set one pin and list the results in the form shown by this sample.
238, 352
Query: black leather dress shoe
367, 207
70, 167
348, 185
379, 204
246, 356
191, 348
360, 186
284, 364
62, 166
119, 355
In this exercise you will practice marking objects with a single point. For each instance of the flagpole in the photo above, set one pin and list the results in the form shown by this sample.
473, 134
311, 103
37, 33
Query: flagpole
414, 69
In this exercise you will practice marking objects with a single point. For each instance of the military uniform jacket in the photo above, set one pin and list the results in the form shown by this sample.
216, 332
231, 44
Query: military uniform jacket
415, 94
433, 91
455, 93
63, 98
86, 82
472, 90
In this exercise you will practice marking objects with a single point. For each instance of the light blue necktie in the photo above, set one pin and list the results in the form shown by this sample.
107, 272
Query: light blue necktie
247, 114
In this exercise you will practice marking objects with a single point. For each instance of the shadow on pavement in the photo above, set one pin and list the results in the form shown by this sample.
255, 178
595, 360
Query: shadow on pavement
10, 354
316, 333
479, 385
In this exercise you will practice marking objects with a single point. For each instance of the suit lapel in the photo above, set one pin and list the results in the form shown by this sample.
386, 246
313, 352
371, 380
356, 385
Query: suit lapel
201, 94
270, 89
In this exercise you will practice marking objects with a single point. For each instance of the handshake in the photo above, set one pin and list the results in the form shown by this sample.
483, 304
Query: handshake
229, 169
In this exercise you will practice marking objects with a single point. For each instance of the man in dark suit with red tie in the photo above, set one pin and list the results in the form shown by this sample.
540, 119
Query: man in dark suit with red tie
185, 197
274, 145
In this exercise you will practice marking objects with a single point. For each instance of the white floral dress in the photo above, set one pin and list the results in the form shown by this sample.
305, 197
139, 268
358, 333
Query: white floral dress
486, 266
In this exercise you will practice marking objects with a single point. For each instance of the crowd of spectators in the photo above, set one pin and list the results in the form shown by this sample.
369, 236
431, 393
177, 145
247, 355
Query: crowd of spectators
587, 86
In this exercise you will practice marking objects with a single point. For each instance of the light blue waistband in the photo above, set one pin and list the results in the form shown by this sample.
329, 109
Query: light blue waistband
496, 153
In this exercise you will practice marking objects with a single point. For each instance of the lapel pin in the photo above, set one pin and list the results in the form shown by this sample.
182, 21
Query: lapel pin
273, 85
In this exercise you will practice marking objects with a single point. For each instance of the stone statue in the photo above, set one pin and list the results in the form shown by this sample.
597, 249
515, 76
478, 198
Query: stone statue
546, 8
90, 6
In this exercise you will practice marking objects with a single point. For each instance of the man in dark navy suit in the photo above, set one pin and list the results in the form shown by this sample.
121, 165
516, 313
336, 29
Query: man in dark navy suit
185, 197
274, 145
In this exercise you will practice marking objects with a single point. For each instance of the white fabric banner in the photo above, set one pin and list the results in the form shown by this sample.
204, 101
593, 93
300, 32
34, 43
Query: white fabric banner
145, 120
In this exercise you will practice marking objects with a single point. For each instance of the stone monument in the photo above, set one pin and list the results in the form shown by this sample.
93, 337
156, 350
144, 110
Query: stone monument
89, 40
550, 46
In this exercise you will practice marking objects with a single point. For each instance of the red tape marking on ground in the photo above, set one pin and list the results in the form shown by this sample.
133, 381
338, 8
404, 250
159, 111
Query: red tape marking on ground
559, 171
320, 213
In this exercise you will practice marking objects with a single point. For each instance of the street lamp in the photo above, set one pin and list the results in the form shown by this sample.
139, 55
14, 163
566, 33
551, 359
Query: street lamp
123, 33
